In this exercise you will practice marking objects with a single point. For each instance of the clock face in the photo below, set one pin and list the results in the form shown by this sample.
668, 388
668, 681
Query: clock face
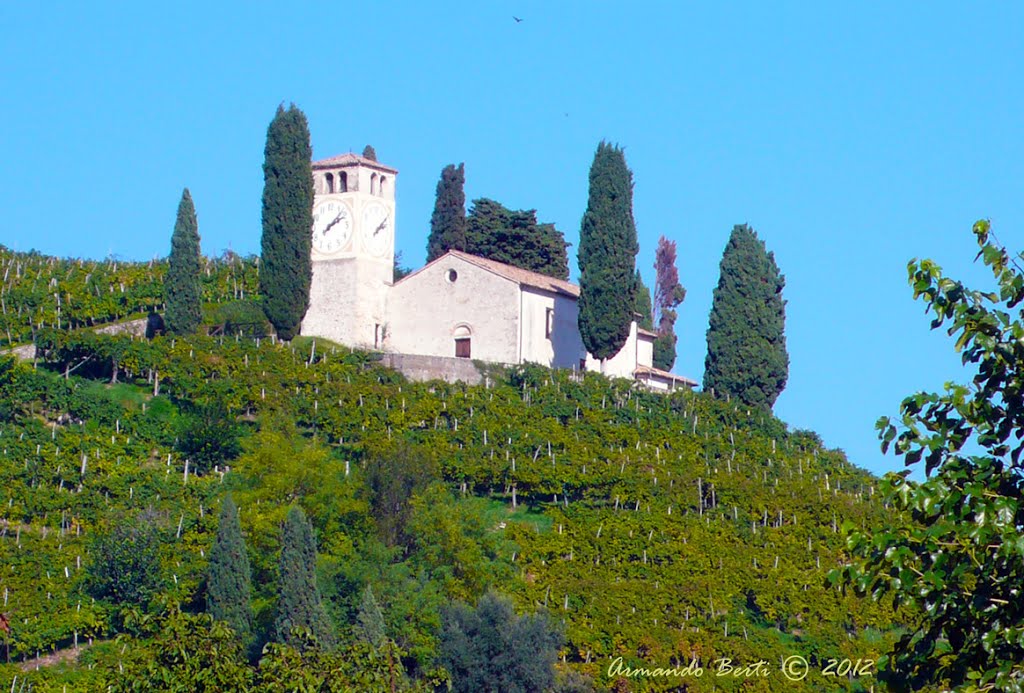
332, 226
377, 228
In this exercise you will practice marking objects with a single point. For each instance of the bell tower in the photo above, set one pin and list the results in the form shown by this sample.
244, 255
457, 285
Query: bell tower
353, 250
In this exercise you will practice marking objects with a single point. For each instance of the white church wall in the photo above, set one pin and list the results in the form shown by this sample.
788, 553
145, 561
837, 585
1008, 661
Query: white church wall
644, 350
426, 308
562, 348
623, 363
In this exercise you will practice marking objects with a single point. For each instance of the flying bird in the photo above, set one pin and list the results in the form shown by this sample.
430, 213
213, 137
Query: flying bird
517, 19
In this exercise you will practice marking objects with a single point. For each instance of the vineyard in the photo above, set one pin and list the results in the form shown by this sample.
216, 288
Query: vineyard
659, 529
39, 292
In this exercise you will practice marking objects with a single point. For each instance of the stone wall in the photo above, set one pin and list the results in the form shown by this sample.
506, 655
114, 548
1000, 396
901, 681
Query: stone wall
422, 368
136, 328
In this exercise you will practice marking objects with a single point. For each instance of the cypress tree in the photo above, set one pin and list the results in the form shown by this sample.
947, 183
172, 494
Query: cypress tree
747, 356
299, 603
286, 269
607, 255
370, 620
668, 294
448, 222
643, 308
228, 577
182, 287
369, 152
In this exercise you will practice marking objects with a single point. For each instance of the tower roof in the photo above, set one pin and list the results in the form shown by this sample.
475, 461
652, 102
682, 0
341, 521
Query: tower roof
351, 159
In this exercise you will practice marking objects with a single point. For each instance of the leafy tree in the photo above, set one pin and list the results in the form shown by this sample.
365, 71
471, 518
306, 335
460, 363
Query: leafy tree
490, 649
286, 269
299, 605
187, 652
608, 248
747, 356
369, 153
370, 623
182, 287
393, 475
957, 554
515, 238
643, 304
448, 222
208, 435
228, 580
125, 564
668, 294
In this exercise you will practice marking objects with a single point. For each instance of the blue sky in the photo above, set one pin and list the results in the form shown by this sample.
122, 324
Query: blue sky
851, 138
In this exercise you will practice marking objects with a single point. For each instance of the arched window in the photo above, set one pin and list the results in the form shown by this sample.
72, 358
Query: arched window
329, 182
373, 183
342, 182
383, 180
463, 342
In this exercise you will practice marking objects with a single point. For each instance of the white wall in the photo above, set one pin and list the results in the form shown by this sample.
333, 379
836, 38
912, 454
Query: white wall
425, 309
564, 348
623, 363
644, 350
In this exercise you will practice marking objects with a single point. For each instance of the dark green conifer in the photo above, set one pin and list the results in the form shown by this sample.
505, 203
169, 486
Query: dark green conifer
607, 255
286, 269
228, 577
370, 620
644, 308
182, 284
515, 238
299, 603
369, 153
448, 222
747, 356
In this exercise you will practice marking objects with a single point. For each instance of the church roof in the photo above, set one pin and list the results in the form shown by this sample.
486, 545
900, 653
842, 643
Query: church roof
350, 159
650, 371
533, 280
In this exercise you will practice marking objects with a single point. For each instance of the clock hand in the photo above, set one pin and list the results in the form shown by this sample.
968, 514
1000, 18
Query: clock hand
380, 227
335, 221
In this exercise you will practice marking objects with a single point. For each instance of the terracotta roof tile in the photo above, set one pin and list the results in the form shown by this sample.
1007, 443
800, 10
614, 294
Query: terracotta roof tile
665, 375
520, 276
350, 159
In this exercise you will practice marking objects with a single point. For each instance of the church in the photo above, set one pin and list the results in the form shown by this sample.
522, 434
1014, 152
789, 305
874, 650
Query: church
459, 306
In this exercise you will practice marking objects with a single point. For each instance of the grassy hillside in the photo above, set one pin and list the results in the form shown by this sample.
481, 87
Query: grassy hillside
657, 528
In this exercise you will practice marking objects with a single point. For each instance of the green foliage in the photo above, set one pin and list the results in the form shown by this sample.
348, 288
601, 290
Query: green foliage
607, 255
957, 555
369, 153
643, 304
126, 561
491, 649
653, 526
228, 577
299, 604
242, 317
664, 350
370, 620
65, 294
208, 435
515, 238
286, 270
186, 653
400, 270
182, 288
448, 222
747, 356
393, 476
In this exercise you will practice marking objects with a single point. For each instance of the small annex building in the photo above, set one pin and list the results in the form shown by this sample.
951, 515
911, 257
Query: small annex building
459, 306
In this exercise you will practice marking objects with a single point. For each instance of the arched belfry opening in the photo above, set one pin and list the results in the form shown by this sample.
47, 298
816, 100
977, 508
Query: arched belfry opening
342, 182
383, 184
329, 183
373, 183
